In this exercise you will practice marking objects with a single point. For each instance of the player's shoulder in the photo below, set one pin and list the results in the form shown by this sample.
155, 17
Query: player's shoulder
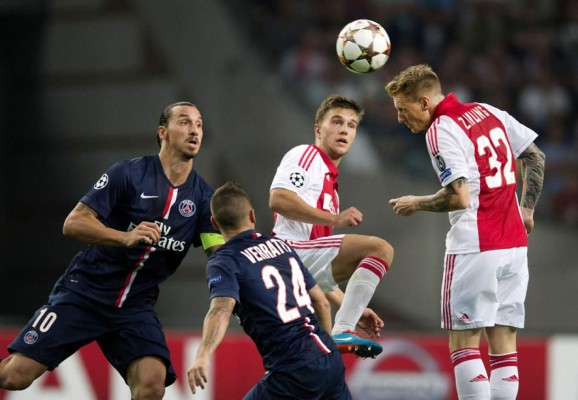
304, 155
297, 151
134, 164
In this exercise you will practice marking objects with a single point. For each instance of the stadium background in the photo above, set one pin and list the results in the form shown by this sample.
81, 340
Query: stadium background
82, 83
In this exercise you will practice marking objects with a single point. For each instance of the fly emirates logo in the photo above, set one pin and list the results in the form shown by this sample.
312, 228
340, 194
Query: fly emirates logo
166, 242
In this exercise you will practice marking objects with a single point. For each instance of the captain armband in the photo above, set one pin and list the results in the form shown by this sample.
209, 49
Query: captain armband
211, 239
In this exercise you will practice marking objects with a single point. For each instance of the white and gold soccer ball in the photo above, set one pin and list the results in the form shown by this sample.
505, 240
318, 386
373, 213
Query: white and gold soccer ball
363, 46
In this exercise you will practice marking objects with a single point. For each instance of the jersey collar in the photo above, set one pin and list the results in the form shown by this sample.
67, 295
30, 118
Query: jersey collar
332, 168
447, 103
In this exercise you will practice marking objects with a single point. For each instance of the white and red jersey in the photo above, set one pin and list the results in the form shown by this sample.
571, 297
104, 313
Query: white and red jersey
307, 171
480, 143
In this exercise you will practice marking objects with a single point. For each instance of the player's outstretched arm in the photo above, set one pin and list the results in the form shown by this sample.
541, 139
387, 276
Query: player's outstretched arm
214, 329
83, 224
321, 306
335, 297
455, 196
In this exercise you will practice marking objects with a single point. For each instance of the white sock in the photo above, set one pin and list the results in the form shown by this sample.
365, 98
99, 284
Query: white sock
504, 381
472, 381
358, 293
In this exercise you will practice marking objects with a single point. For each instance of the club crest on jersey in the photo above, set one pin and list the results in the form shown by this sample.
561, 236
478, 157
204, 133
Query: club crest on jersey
297, 179
187, 208
102, 182
30, 337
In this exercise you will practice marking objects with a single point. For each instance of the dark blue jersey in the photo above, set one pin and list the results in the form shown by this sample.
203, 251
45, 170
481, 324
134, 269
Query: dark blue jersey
130, 192
270, 285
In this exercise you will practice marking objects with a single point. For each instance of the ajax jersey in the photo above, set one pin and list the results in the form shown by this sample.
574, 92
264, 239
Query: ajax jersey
480, 143
128, 193
307, 171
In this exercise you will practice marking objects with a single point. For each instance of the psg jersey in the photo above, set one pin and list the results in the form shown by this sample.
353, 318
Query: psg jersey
270, 285
130, 192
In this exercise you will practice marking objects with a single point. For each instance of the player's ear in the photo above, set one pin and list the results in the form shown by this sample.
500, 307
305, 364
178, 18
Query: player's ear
252, 216
214, 223
161, 132
424, 102
317, 130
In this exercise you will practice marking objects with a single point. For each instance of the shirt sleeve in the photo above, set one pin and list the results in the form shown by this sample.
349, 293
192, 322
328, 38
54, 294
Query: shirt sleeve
222, 277
109, 190
446, 153
290, 175
519, 135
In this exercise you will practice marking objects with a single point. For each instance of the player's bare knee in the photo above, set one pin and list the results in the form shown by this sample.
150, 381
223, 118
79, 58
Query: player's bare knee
150, 391
14, 381
383, 249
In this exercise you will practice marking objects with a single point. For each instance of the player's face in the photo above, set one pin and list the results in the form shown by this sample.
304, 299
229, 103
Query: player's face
412, 113
184, 131
336, 133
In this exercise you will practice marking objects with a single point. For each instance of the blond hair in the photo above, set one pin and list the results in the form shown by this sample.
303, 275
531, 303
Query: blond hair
413, 82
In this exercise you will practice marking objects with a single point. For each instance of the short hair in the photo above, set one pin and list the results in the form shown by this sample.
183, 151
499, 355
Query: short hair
167, 112
337, 101
413, 82
230, 204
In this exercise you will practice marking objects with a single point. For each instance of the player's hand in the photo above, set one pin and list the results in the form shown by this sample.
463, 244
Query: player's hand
197, 374
145, 232
370, 323
405, 205
350, 217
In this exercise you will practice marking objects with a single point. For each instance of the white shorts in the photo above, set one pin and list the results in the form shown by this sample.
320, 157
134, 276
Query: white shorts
317, 255
484, 289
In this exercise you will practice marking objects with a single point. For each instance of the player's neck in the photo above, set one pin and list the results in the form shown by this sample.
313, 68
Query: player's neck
229, 234
176, 170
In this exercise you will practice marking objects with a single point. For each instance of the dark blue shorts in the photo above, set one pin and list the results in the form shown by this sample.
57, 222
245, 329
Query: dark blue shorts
321, 379
70, 321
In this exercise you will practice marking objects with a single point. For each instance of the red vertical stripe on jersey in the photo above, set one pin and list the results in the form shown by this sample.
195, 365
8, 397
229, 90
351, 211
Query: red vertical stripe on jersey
447, 295
432, 139
131, 277
171, 199
307, 157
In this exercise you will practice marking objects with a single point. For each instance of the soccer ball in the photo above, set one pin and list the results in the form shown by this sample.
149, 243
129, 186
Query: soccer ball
363, 46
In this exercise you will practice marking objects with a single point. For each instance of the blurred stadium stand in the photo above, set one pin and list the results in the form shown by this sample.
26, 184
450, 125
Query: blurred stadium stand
106, 70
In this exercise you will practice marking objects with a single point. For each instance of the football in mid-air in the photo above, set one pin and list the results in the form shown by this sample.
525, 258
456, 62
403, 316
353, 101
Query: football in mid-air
363, 46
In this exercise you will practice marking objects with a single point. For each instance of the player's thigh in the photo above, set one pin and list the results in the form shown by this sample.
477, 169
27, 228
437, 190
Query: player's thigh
317, 256
58, 329
469, 291
513, 279
138, 334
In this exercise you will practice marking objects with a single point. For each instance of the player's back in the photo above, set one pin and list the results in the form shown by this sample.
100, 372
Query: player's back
489, 142
270, 285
